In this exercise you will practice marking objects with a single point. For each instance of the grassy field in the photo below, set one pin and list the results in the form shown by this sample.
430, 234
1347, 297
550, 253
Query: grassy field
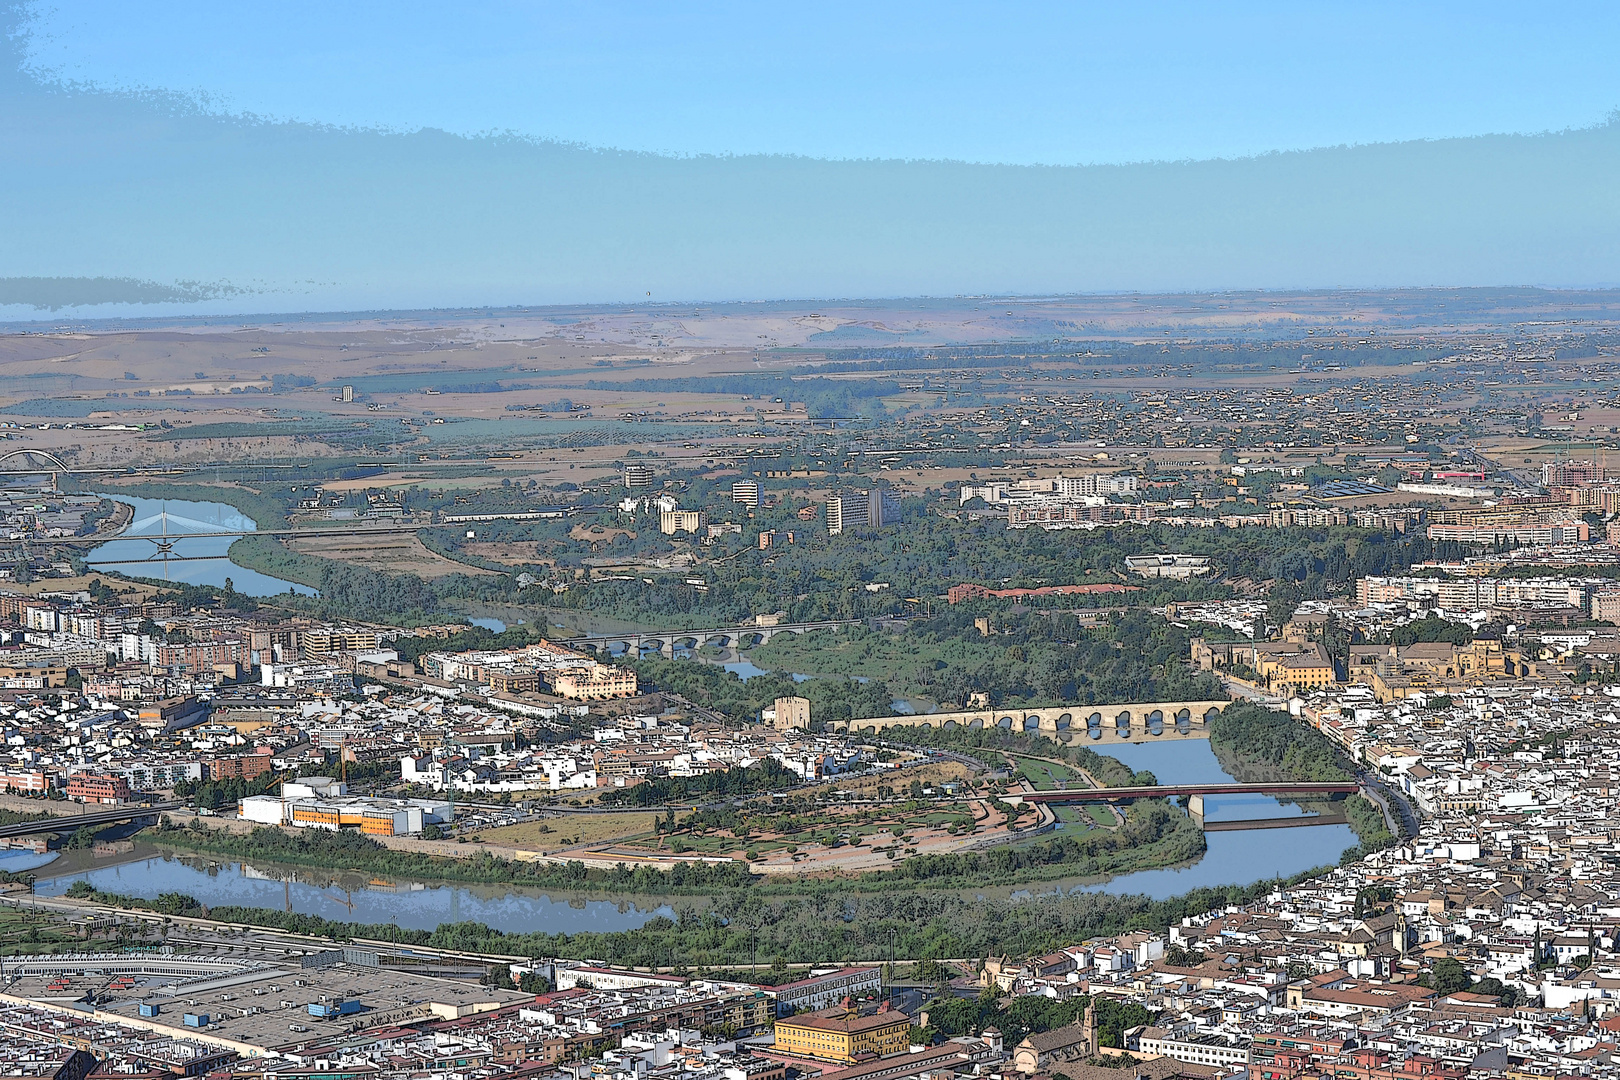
1048, 775
575, 828
1077, 819
935, 772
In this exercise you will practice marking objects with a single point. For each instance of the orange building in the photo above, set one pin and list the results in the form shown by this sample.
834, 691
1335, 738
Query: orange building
89, 787
246, 767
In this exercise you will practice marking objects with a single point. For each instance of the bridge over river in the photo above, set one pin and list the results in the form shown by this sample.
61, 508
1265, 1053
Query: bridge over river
67, 823
1148, 721
667, 641
1195, 794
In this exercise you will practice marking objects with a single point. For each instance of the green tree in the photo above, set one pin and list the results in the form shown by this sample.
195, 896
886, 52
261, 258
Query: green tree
1450, 977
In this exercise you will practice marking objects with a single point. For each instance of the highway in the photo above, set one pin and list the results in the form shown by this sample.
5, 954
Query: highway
294, 533
67, 823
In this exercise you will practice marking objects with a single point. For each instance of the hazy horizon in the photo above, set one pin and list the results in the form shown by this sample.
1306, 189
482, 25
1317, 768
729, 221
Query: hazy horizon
145, 200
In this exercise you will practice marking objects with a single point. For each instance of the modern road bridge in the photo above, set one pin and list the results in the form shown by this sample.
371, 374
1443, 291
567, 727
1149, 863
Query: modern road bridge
72, 822
1170, 791
1195, 794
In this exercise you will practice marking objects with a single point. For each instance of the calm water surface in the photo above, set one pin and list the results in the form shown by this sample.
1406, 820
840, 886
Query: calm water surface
205, 561
414, 905
1232, 858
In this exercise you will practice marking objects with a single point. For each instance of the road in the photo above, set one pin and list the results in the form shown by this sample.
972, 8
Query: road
72, 822
1167, 791
1249, 693
1397, 810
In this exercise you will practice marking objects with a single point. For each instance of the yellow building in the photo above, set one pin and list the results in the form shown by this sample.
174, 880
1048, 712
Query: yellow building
597, 683
842, 1035
1304, 665
338, 639
1305, 671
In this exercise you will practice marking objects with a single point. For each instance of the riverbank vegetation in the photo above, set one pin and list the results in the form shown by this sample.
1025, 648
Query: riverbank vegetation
1255, 743
1248, 733
1153, 835
1027, 658
995, 745
826, 923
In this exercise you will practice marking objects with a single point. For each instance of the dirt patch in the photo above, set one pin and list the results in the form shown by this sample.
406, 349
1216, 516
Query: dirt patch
599, 533
525, 552
401, 554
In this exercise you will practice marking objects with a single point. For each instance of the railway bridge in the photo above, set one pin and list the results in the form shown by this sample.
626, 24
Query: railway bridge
1135, 722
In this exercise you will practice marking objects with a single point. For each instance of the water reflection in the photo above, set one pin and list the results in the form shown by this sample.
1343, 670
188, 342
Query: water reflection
414, 905
202, 559
1232, 858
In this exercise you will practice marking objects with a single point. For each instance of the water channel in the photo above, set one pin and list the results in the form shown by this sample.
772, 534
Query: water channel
202, 560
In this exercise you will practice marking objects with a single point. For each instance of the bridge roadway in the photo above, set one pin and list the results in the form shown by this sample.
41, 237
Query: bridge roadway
72, 822
284, 534
665, 641
1167, 791
1087, 725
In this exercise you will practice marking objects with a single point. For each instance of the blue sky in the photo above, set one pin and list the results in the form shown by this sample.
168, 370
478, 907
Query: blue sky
1016, 83
348, 156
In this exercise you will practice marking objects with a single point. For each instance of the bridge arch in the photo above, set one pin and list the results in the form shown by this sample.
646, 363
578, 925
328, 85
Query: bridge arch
1100, 724
46, 454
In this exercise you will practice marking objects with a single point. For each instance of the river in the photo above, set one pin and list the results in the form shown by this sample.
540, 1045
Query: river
1231, 858
203, 558
415, 905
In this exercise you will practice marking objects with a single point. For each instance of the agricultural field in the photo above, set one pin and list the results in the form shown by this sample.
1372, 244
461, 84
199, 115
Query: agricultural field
401, 554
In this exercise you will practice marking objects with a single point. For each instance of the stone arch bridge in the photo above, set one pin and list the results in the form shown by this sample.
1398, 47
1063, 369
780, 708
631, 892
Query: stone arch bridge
667, 641
1080, 724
